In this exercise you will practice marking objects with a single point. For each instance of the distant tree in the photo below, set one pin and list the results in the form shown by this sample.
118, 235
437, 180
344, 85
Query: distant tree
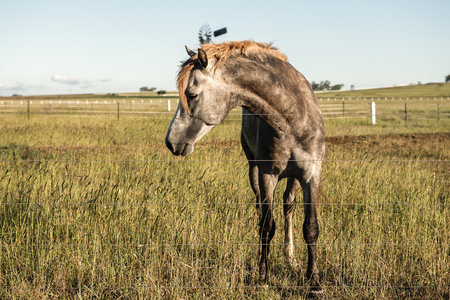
337, 87
146, 89
315, 86
352, 87
447, 78
161, 92
324, 85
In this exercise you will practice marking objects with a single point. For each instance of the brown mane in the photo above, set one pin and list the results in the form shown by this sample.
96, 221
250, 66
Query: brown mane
222, 52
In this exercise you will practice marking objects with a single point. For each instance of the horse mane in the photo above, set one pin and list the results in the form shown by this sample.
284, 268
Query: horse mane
222, 52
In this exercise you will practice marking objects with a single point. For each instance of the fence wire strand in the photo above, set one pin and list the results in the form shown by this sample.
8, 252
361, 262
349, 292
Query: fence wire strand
220, 160
217, 244
236, 287
329, 113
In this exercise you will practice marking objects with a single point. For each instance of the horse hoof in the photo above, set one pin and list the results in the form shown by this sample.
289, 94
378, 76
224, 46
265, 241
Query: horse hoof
315, 293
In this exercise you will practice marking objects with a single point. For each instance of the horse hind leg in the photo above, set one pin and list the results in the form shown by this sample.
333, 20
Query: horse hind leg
292, 187
311, 231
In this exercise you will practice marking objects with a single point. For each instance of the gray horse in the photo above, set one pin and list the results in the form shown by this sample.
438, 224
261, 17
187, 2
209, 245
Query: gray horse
282, 132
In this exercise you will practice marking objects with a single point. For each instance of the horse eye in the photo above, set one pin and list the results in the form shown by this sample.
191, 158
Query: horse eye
191, 96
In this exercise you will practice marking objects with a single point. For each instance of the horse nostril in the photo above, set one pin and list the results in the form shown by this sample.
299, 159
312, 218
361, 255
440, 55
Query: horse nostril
169, 146
188, 149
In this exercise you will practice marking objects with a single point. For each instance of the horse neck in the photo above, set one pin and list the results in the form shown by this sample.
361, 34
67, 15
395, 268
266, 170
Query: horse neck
273, 90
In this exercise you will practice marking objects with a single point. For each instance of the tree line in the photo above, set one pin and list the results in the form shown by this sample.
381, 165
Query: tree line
325, 86
146, 89
322, 86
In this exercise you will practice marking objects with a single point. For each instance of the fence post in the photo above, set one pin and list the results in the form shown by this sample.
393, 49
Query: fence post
168, 105
373, 112
343, 107
28, 110
118, 110
406, 114
438, 113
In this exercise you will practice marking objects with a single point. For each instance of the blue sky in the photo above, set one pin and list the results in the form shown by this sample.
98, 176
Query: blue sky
91, 46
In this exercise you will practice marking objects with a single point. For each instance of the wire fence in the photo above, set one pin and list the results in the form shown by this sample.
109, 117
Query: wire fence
184, 161
435, 111
407, 109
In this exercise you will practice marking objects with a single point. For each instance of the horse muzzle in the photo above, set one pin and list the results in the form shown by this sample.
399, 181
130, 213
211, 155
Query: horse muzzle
180, 149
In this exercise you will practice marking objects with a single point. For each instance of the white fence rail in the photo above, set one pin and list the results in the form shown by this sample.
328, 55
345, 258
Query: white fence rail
408, 109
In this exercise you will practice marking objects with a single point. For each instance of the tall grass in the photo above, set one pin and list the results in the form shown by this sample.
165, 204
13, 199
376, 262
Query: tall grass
96, 208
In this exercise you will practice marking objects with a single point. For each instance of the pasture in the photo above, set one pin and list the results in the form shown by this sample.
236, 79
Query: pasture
96, 207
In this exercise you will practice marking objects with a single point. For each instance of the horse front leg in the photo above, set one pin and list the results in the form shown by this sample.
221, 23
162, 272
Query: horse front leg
292, 187
254, 183
311, 231
267, 184
253, 172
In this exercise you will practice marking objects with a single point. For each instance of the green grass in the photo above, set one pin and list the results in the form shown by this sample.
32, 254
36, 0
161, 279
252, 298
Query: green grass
431, 91
98, 208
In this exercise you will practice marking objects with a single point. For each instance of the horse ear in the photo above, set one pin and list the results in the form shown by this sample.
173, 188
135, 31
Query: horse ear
202, 58
189, 51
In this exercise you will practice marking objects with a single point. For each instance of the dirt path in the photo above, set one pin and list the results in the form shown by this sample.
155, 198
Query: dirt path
425, 145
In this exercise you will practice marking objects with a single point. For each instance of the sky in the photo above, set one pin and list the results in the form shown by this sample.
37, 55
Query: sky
93, 46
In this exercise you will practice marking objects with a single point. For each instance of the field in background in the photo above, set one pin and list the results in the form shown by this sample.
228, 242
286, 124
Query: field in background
95, 207
431, 91
421, 104
410, 91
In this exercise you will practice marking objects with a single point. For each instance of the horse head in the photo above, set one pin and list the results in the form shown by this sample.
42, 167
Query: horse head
202, 103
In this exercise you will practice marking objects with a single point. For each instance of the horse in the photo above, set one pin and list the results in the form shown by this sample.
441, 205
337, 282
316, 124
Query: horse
282, 134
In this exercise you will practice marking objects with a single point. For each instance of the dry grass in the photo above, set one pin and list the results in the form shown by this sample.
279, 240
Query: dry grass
95, 208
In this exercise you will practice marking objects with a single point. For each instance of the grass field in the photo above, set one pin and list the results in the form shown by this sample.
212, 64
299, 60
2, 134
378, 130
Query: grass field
98, 208
424, 91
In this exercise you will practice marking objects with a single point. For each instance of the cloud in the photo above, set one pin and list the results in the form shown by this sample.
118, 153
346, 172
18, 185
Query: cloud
72, 81
21, 87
